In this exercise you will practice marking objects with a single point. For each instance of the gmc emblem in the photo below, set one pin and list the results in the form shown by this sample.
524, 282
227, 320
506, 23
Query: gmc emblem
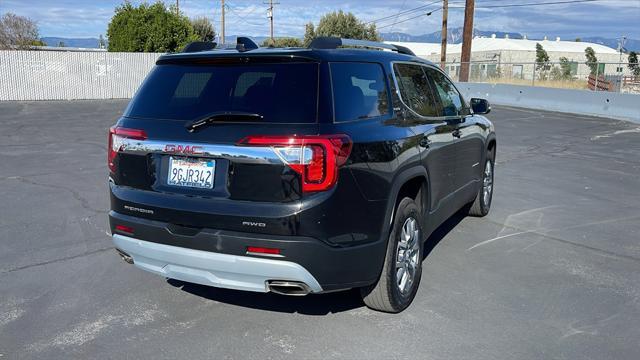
183, 149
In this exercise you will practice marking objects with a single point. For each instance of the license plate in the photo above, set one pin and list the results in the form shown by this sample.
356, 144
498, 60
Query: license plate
188, 172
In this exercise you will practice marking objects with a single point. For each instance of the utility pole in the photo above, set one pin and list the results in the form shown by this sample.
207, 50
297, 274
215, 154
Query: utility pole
270, 16
467, 37
178, 7
443, 47
222, 26
623, 40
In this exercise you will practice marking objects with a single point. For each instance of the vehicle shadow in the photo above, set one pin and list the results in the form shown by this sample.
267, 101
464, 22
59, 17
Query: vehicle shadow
320, 304
438, 234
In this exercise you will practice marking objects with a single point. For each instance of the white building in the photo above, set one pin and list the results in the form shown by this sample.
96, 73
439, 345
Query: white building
516, 57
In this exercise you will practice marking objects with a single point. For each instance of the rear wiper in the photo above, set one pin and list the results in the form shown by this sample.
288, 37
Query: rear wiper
221, 116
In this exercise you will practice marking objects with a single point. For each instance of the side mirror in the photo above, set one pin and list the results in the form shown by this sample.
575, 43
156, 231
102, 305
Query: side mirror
480, 106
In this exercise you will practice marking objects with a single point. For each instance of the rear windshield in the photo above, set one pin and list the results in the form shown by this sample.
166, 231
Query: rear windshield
281, 93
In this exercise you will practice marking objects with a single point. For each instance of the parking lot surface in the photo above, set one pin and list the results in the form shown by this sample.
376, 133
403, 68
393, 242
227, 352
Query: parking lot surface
552, 272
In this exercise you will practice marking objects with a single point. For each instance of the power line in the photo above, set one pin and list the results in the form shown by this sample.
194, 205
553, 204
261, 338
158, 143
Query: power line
243, 15
403, 12
396, 19
529, 4
481, 6
411, 18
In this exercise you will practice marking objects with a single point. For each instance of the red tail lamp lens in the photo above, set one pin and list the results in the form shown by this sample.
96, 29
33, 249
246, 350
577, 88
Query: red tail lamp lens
115, 135
124, 228
315, 158
263, 250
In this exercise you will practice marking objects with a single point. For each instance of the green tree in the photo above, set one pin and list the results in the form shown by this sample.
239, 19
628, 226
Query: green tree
341, 24
148, 28
565, 69
18, 32
282, 42
203, 28
562, 72
592, 60
309, 34
542, 58
542, 61
633, 63
37, 42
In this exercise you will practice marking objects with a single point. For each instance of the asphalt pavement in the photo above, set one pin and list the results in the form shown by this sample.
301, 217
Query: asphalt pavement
552, 273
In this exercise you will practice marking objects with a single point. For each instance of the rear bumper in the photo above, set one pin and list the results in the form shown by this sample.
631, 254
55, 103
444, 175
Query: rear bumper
213, 269
162, 247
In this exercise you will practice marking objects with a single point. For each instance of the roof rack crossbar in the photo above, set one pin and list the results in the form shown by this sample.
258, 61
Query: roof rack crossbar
327, 42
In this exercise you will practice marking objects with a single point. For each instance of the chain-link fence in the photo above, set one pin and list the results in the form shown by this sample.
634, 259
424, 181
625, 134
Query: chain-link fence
62, 75
619, 77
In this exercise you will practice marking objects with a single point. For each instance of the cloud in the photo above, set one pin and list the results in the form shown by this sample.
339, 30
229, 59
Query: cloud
609, 18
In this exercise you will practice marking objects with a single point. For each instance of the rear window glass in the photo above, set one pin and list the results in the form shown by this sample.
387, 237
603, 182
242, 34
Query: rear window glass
415, 90
281, 93
359, 91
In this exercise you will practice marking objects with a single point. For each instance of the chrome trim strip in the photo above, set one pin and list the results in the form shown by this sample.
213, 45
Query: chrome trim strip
238, 154
264, 254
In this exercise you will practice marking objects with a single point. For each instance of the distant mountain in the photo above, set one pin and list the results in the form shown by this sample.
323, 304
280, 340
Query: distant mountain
91, 43
455, 37
629, 45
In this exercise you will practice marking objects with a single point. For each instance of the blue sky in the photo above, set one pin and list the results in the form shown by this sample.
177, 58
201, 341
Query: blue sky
607, 18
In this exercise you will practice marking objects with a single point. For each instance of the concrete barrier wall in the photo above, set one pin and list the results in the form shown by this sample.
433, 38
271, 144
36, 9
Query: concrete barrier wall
606, 104
59, 75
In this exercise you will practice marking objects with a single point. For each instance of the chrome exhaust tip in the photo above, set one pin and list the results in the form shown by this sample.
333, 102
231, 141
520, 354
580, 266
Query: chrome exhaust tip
126, 257
291, 288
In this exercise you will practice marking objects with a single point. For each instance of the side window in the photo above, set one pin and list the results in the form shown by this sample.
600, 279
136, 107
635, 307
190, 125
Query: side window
415, 90
449, 96
359, 91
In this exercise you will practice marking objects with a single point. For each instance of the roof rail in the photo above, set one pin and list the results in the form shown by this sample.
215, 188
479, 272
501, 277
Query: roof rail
335, 42
199, 46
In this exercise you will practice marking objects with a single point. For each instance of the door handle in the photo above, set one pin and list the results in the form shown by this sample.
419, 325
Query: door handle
456, 133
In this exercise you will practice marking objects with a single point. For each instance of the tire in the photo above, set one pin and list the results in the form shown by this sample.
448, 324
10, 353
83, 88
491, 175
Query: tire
482, 203
389, 294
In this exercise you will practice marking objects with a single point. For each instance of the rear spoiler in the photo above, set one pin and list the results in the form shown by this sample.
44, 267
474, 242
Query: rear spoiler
242, 44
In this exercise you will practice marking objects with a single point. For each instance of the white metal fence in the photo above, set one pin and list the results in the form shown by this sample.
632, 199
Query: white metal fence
57, 75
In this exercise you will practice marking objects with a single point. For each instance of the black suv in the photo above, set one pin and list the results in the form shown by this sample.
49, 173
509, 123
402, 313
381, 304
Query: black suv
296, 171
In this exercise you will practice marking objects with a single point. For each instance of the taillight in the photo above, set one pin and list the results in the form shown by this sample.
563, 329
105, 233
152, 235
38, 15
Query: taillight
124, 228
315, 158
263, 250
116, 134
